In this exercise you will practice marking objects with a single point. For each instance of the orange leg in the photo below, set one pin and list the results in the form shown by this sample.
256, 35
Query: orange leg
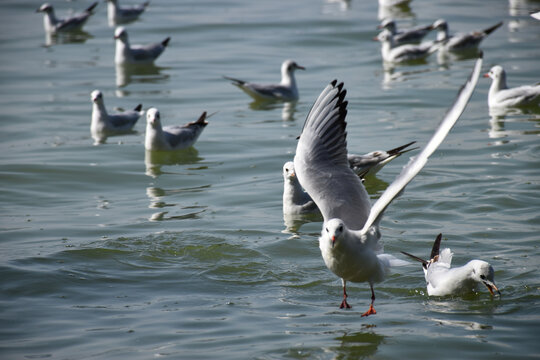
344, 303
371, 310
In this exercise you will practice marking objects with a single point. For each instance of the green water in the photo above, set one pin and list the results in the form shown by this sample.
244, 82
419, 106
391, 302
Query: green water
111, 253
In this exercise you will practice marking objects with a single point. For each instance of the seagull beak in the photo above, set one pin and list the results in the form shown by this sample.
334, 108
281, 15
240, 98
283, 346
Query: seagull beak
491, 286
333, 240
486, 75
293, 174
376, 38
299, 67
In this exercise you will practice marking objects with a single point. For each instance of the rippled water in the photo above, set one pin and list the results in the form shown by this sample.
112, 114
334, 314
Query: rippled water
110, 252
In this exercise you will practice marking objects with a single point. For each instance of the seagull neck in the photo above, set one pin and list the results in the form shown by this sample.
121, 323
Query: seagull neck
293, 192
442, 34
499, 83
49, 20
287, 79
99, 108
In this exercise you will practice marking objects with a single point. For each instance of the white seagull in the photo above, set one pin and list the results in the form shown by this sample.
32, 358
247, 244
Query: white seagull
171, 137
442, 280
286, 90
500, 96
400, 37
349, 240
53, 24
296, 201
461, 41
392, 53
122, 15
136, 54
104, 125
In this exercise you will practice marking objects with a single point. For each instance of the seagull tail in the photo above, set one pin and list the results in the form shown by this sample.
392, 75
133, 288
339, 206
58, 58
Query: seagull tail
491, 29
400, 149
91, 7
146, 3
236, 82
138, 108
201, 120
166, 42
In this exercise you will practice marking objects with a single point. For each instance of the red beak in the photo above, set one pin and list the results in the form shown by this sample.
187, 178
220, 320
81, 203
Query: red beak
486, 75
333, 240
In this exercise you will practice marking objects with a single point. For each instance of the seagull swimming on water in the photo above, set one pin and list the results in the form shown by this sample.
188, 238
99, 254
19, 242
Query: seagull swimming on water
104, 125
136, 54
400, 37
349, 240
461, 41
443, 280
286, 90
53, 24
500, 96
124, 14
171, 137
392, 53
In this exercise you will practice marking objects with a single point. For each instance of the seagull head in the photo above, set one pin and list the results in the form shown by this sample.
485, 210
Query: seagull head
46, 8
483, 273
495, 73
96, 96
334, 229
120, 33
440, 24
288, 171
388, 24
289, 66
153, 118
385, 37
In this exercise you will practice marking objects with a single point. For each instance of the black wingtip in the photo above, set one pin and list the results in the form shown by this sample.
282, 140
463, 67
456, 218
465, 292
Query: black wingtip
333, 82
166, 41
436, 247
398, 150
424, 262
491, 29
91, 7
138, 107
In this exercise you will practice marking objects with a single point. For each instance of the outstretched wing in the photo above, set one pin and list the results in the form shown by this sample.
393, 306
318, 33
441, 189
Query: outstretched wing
321, 161
418, 162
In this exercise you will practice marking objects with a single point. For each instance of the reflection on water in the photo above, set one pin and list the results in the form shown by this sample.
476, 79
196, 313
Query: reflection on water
499, 118
70, 37
358, 345
344, 5
148, 73
158, 197
400, 11
288, 108
445, 57
392, 76
154, 160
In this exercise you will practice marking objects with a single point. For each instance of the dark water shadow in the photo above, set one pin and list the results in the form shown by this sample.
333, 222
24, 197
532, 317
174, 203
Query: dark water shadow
67, 37
288, 108
357, 345
155, 160
147, 73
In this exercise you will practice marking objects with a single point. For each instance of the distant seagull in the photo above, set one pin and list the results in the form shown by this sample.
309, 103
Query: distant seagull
104, 125
171, 137
350, 234
461, 41
501, 96
369, 164
286, 90
400, 37
136, 54
442, 280
122, 15
392, 53
53, 25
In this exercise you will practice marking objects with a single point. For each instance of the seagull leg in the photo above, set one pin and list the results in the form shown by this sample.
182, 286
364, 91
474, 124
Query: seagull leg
344, 303
371, 310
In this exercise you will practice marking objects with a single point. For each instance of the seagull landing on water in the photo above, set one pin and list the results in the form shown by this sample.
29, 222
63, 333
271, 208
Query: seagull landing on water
461, 41
500, 96
136, 54
171, 137
286, 90
124, 14
349, 240
53, 24
400, 37
442, 280
104, 125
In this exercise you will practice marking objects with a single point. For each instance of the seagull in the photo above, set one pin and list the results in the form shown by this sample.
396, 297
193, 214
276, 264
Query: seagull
136, 54
171, 137
286, 90
461, 41
441, 280
296, 201
413, 35
403, 53
122, 15
104, 125
53, 25
349, 240
501, 96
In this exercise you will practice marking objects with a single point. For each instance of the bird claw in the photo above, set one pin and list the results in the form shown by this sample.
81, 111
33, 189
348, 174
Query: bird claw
371, 311
344, 304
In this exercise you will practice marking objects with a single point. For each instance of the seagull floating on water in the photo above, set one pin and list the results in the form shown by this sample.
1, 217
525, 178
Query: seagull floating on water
104, 125
136, 54
171, 137
442, 280
124, 14
53, 24
392, 53
500, 96
400, 37
369, 164
461, 41
286, 90
349, 240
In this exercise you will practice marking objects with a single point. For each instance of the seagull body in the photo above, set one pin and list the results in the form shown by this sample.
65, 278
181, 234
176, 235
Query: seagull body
443, 280
104, 125
461, 41
500, 96
124, 14
171, 137
403, 53
400, 37
52, 24
286, 90
136, 54
349, 240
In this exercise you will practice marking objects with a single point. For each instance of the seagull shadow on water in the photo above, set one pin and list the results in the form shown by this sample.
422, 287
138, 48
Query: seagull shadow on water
154, 160
147, 73
288, 108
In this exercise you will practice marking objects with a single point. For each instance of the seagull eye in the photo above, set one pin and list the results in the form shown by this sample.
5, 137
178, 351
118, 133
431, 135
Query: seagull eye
327, 230
483, 277
340, 228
